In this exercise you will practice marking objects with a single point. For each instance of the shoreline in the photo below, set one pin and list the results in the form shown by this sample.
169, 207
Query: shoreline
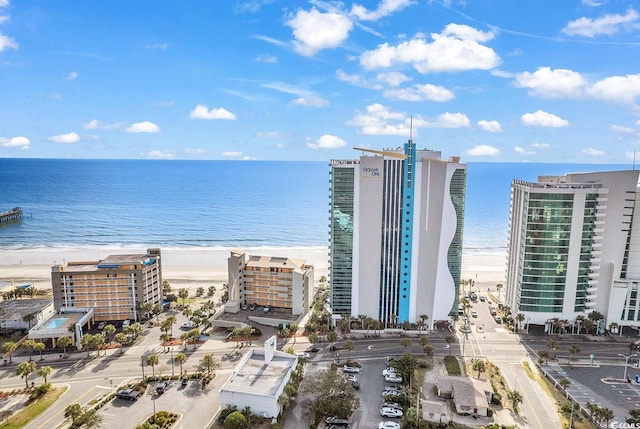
197, 266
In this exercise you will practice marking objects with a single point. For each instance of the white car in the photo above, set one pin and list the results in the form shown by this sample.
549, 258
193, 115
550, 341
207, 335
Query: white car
390, 412
388, 371
189, 324
102, 325
474, 313
126, 323
389, 425
303, 355
392, 405
352, 378
350, 369
392, 378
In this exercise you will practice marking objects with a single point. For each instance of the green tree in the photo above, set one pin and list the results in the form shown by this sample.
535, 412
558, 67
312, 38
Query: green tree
87, 342
498, 288
634, 416
109, 330
24, 369
166, 288
8, 347
152, 360
332, 336
120, 338
479, 365
180, 358
564, 382
29, 317
183, 294
64, 342
314, 338
44, 372
429, 351
211, 291
200, 291
573, 352
39, 347
406, 343
516, 398
450, 339
208, 364
348, 345
543, 356
235, 420
329, 394
73, 411
29, 345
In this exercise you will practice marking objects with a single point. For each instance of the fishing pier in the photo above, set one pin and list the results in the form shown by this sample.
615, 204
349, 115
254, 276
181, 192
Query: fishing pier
13, 215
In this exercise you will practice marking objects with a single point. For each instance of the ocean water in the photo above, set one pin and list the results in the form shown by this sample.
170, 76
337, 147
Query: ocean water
139, 203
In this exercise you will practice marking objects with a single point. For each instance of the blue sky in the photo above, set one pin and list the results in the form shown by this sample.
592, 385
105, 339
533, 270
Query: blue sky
500, 80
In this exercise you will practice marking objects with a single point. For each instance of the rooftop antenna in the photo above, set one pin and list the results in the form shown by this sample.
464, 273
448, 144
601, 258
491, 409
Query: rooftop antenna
411, 128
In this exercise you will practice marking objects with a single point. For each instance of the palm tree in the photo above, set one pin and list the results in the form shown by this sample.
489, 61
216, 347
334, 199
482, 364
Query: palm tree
183, 294
429, 351
208, 364
564, 382
478, 365
29, 317
348, 345
450, 339
520, 318
543, 355
8, 348
110, 330
24, 369
39, 347
180, 358
516, 398
44, 372
498, 288
423, 320
606, 414
64, 342
30, 345
573, 351
98, 341
86, 341
294, 329
73, 411
332, 336
152, 361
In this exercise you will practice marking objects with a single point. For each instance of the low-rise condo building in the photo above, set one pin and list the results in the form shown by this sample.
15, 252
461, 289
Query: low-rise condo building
269, 281
574, 249
114, 287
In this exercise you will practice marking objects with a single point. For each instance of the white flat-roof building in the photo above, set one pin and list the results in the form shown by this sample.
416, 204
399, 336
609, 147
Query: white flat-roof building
396, 225
13, 311
259, 380
575, 248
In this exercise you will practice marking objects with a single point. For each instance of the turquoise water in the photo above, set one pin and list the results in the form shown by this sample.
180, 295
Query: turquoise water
56, 323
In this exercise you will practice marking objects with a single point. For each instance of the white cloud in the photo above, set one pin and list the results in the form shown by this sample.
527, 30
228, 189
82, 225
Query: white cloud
445, 120
65, 138
356, 80
143, 127
72, 76
18, 141
608, 24
94, 124
305, 97
195, 151
378, 121
501, 73
621, 129
4, 3
386, 7
482, 150
269, 134
541, 118
314, 30
160, 46
161, 154
616, 89
592, 152
490, 126
7, 42
202, 112
420, 93
594, 3
230, 154
522, 151
266, 58
548, 83
393, 78
540, 145
457, 48
327, 141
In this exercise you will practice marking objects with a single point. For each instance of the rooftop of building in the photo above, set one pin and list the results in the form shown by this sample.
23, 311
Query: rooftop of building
256, 377
15, 309
466, 390
111, 261
275, 261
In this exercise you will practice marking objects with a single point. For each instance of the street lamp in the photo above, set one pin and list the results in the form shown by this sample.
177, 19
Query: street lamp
626, 362
142, 365
171, 349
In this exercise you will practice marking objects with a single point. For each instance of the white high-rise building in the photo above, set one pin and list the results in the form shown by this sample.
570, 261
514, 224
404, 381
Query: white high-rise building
575, 248
396, 228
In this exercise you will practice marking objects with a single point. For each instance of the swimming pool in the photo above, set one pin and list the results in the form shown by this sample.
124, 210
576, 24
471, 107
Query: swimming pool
56, 323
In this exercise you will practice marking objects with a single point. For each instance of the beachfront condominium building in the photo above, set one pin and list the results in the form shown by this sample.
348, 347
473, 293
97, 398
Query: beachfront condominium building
114, 287
269, 281
395, 245
574, 249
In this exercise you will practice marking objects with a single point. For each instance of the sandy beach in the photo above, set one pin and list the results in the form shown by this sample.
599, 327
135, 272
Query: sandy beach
194, 267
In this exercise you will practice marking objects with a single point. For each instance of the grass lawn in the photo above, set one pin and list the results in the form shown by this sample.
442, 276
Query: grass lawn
452, 365
34, 409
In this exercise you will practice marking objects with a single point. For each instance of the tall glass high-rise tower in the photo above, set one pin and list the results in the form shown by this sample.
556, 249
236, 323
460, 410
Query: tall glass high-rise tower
396, 224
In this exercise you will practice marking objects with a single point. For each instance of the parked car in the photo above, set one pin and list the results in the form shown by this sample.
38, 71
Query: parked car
392, 405
388, 425
388, 388
337, 421
497, 319
388, 371
352, 377
161, 387
350, 369
253, 306
313, 349
483, 298
184, 381
126, 323
390, 393
390, 412
303, 355
101, 325
392, 378
355, 384
189, 324
128, 394
474, 313
336, 346
266, 309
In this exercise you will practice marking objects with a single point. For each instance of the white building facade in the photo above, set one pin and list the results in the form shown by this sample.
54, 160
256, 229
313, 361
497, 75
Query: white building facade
396, 225
575, 248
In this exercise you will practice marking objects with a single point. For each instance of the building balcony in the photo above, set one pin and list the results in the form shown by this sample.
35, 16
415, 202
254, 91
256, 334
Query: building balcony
590, 304
598, 222
592, 291
596, 245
